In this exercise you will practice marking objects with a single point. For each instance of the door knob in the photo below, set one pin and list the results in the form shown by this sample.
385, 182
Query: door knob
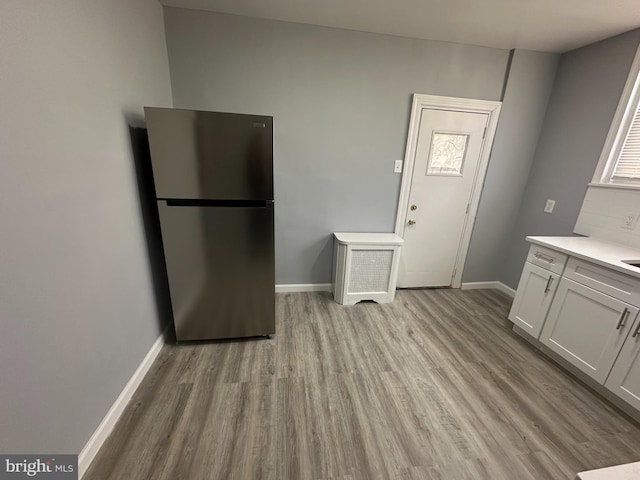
414, 207
411, 221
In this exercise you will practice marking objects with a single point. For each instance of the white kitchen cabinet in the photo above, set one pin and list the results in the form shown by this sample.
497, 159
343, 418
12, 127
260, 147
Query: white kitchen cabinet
624, 379
533, 298
591, 321
587, 328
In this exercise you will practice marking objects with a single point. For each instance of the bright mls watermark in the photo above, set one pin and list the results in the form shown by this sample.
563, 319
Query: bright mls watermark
45, 467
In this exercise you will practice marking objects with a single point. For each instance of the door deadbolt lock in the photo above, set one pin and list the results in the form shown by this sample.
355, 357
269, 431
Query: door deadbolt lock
411, 221
414, 207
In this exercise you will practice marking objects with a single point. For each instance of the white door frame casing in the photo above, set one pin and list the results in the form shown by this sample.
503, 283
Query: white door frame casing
433, 102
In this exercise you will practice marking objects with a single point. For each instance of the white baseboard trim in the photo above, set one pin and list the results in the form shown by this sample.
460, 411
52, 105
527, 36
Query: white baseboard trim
303, 287
109, 421
494, 284
506, 289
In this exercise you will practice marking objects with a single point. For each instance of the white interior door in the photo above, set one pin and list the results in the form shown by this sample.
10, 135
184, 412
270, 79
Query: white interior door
445, 169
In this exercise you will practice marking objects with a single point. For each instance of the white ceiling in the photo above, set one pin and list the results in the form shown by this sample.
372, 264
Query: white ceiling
544, 25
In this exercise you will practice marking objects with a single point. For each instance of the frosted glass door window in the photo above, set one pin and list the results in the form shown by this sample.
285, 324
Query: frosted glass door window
446, 156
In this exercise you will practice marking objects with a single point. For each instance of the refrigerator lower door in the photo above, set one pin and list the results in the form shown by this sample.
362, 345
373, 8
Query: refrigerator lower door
220, 265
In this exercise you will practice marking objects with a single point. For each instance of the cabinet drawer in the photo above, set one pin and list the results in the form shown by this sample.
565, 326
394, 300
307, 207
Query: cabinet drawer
551, 260
615, 284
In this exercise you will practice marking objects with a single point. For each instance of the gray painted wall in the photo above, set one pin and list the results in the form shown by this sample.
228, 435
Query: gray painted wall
584, 99
341, 101
77, 302
524, 105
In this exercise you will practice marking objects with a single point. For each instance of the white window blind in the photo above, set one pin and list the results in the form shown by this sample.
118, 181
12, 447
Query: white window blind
628, 165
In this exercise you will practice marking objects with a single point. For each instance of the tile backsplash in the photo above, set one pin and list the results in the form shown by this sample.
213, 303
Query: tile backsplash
611, 214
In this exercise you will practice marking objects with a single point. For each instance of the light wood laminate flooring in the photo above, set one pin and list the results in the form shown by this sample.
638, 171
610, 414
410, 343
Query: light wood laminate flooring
431, 386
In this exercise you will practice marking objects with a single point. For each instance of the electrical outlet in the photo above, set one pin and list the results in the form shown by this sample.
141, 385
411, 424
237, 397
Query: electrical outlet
629, 221
397, 166
548, 208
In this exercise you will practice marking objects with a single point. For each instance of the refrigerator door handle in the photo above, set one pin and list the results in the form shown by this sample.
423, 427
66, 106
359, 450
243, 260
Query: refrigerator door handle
173, 202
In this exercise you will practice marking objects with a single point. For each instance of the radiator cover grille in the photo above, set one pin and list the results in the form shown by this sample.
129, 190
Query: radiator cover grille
370, 270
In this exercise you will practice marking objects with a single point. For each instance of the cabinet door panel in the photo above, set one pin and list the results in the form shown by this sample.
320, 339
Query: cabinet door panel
584, 327
533, 298
624, 379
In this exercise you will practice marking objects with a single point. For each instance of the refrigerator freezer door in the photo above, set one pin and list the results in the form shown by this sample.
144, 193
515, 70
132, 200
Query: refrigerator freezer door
210, 155
220, 264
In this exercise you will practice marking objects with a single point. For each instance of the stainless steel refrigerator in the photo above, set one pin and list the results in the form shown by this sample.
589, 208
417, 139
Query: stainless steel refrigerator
213, 175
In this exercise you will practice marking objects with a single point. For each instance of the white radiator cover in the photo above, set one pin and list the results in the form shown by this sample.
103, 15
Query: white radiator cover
365, 267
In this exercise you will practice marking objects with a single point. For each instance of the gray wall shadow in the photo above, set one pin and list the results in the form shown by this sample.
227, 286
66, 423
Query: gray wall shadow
151, 223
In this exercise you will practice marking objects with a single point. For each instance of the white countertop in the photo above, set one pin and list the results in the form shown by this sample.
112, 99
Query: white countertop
601, 252
629, 471
369, 238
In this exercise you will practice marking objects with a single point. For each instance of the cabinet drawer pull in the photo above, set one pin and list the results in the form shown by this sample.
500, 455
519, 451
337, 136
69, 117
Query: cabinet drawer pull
623, 317
549, 282
546, 258
637, 331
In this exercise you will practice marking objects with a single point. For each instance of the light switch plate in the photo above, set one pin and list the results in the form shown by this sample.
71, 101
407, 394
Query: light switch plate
397, 166
548, 208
